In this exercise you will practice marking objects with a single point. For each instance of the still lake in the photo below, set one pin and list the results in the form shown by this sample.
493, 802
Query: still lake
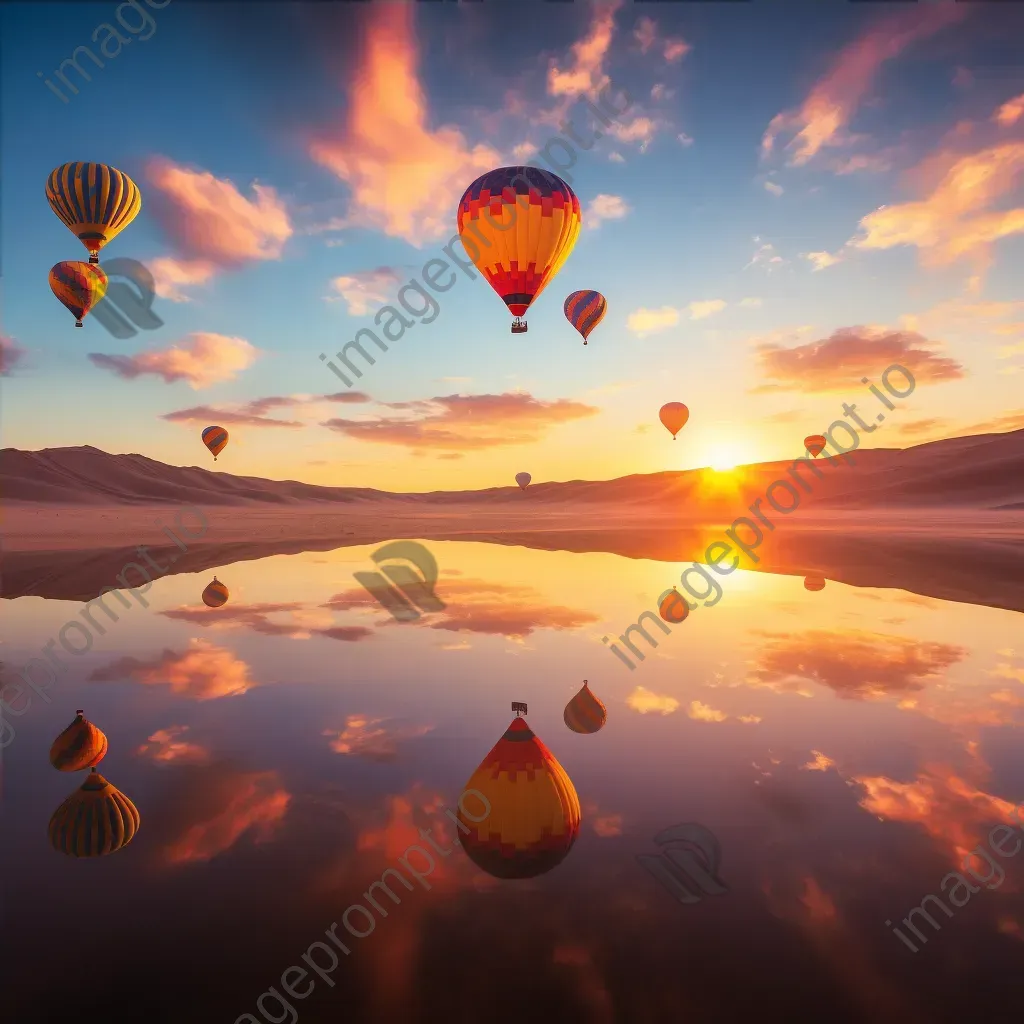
846, 748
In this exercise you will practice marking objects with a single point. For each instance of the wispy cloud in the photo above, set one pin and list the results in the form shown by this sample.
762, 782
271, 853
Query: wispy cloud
11, 355
202, 359
365, 290
604, 207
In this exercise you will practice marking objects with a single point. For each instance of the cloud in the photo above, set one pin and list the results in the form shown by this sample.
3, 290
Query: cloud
166, 746
1010, 112
202, 359
584, 74
684, 140
649, 321
238, 417
842, 360
253, 413
11, 355
366, 289
704, 309
854, 664
604, 207
822, 119
465, 422
749, 719
821, 260
751, 303
405, 179
996, 425
254, 617
368, 738
204, 672
524, 151
704, 713
211, 221
821, 763
647, 702
170, 275
646, 34
776, 190
765, 256
926, 426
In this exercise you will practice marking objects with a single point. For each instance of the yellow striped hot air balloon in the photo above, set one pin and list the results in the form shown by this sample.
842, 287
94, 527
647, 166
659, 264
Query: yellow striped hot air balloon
585, 713
534, 812
80, 745
95, 820
215, 594
95, 201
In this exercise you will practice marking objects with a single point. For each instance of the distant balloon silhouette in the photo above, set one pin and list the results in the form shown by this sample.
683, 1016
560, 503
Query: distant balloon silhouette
216, 594
585, 713
78, 286
585, 310
534, 813
814, 583
80, 745
215, 438
674, 416
523, 479
815, 444
95, 820
674, 607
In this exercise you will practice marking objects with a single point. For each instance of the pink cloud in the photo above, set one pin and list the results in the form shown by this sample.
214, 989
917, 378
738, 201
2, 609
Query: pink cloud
584, 74
1010, 112
253, 413
366, 290
11, 354
170, 275
166, 746
202, 359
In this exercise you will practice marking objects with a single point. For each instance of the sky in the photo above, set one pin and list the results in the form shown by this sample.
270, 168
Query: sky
798, 197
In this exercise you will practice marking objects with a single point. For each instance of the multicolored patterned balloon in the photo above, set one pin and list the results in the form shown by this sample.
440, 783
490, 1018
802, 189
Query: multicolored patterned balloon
585, 310
79, 286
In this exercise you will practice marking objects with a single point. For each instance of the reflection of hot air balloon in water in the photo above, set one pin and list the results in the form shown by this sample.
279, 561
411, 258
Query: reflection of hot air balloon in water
585, 713
80, 745
814, 583
215, 438
534, 812
519, 263
95, 820
79, 286
674, 416
215, 594
585, 310
815, 444
96, 202
673, 607
523, 479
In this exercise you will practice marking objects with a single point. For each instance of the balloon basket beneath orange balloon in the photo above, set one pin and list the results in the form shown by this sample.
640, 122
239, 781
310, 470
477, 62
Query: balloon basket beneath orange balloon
519, 326
78, 323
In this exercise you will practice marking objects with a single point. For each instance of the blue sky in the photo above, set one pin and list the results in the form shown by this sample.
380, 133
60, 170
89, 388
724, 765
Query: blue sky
282, 149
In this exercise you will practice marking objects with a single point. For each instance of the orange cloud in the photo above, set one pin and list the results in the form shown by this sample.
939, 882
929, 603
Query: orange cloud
821, 763
203, 359
584, 75
170, 275
11, 354
255, 617
204, 672
854, 664
649, 321
166, 746
822, 120
841, 360
646, 35
1010, 112
404, 178
704, 713
465, 422
646, 702
210, 220
369, 738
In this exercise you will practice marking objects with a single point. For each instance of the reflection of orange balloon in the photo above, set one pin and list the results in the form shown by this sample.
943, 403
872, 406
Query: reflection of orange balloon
215, 594
673, 607
95, 820
585, 713
80, 745
815, 444
814, 583
674, 416
531, 817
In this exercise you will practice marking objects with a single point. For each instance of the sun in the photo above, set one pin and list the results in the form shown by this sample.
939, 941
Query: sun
724, 458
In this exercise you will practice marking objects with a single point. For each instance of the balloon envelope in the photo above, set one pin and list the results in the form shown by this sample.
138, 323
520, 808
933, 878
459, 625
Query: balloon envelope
79, 286
518, 225
95, 201
585, 713
815, 444
523, 479
814, 583
674, 416
215, 438
585, 310
216, 594
80, 745
673, 607
95, 820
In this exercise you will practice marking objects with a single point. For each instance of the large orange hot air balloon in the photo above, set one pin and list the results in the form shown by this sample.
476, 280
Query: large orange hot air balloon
814, 583
585, 713
215, 438
815, 444
534, 812
79, 286
674, 416
518, 225
673, 607
216, 594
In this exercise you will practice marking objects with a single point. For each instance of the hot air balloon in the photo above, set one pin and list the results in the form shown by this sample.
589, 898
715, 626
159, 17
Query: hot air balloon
95, 201
80, 745
95, 820
534, 812
79, 286
585, 713
674, 416
673, 606
814, 583
215, 594
215, 438
523, 479
585, 310
815, 444
518, 225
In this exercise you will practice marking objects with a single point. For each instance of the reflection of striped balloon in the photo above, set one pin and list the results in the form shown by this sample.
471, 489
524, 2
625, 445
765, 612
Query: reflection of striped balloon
814, 583
585, 310
585, 713
215, 594
95, 820
215, 438
94, 201
79, 286
80, 745
534, 814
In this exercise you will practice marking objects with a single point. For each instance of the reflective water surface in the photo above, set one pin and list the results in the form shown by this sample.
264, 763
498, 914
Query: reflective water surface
847, 747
